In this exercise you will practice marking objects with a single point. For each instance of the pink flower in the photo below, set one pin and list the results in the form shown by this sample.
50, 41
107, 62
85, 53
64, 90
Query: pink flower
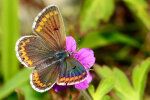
85, 56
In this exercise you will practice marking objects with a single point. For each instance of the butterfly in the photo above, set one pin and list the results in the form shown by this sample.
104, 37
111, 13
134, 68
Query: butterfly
45, 53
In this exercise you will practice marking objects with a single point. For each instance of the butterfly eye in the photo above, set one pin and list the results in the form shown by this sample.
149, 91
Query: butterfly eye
68, 53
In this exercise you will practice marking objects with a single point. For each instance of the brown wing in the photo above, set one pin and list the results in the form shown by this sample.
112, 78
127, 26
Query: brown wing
43, 79
32, 51
49, 25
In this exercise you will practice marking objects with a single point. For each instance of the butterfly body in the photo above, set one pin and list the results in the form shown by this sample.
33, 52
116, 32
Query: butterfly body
61, 55
46, 53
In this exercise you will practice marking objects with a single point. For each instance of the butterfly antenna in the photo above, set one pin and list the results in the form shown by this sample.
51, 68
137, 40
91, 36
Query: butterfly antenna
77, 45
90, 69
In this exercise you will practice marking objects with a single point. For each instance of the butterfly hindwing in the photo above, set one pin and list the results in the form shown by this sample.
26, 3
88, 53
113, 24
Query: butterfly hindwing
72, 72
32, 51
49, 25
43, 79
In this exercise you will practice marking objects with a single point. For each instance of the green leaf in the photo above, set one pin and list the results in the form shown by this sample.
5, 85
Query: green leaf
98, 39
91, 90
139, 9
31, 94
137, 3
123, 53
139, 76
95, 36
10, 34
19, 79
93, 11
123, 87
104, 87
103, 71
106, 97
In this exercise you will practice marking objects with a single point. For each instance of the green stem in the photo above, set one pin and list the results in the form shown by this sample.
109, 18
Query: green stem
10, 34
85, 94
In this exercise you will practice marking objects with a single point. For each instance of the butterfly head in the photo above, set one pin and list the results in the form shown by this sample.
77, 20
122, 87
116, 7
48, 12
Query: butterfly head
68, 53
62, 54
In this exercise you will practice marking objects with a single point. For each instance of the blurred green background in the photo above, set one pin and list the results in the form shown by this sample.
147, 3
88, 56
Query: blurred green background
117, 30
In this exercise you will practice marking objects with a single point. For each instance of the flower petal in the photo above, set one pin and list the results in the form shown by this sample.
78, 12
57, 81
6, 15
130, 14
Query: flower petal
89, 77
59, 87
70, 44
86, 57
85, 84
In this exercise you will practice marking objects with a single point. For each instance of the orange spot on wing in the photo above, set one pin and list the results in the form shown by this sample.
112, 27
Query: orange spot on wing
41, 23
38, 82
49, 83
71, 79
62, 79
44, 85
47, 15
83, 73
80, 76
36, 79
22, 49
23, 53
28, 40
51, 13
35, 74
30, 62
23, 44
44, 19
38, 28
41, 84
76, 78
26, 58
56, 12
67, 79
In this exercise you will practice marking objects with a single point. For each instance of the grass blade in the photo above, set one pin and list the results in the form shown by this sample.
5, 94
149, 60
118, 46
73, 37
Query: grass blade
139, 77
93, 11
19, 79
10, 34
139, 9
106, 38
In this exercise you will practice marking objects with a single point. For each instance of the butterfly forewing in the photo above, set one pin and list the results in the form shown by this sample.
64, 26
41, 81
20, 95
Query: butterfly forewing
43, 79
32, 51
72, 72
49, 25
